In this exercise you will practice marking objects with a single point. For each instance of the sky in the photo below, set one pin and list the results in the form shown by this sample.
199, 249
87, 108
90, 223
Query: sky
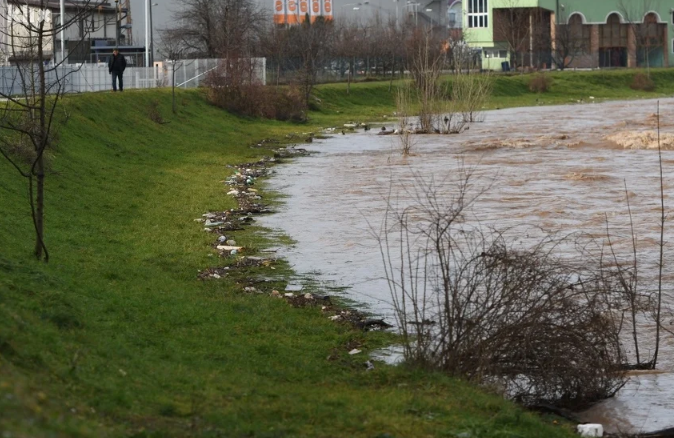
161, 14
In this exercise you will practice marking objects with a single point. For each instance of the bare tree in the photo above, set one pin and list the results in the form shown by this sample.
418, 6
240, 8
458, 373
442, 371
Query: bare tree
312, 43
426, 59
648, 36
511, 25
275, 47
347, 48
32, 94
217, 28
571, 39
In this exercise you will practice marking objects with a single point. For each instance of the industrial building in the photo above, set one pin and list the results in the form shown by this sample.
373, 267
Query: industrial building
100, 26
294, 12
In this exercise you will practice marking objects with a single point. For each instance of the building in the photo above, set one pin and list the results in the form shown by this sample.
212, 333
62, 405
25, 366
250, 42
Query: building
93, 29
528, 34
294, 12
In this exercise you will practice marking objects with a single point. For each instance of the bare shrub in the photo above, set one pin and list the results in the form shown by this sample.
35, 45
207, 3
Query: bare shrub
642, 82
234, 87
540, 83
472, 91
153, 112
469, 304
403, 104
289, 104
425, 67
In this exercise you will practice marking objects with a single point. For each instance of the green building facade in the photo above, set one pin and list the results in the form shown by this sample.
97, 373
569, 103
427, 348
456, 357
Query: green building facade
533, 34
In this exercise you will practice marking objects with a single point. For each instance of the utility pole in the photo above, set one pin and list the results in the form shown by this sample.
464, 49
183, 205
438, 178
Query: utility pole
62, 20
118, 23
147, 33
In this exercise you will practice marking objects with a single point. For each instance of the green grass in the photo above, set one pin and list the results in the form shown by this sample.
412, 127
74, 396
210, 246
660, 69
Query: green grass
574, 86
117, 337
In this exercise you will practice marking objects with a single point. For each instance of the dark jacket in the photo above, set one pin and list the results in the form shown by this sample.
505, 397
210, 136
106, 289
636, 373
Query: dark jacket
117, 63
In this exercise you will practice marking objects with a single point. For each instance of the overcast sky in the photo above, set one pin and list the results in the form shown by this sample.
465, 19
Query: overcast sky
161, 14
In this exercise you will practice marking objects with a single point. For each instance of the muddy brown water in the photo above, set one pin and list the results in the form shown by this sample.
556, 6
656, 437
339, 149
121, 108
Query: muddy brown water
560, 167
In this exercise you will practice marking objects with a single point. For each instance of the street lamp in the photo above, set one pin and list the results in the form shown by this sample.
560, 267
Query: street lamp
152, 35
149, 48
118, 29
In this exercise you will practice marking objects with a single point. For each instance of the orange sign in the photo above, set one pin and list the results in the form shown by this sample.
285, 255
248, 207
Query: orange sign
292, 12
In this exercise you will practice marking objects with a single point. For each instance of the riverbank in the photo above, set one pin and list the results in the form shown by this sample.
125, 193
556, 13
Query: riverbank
117, 336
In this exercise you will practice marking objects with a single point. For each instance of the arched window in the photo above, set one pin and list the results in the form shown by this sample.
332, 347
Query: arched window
578, 35
650, 33
613, 33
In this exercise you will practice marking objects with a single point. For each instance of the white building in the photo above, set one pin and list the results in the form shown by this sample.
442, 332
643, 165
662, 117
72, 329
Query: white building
93, 29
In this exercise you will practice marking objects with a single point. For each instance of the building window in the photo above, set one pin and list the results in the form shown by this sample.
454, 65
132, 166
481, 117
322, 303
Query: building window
495, 53
613, 33
478, 15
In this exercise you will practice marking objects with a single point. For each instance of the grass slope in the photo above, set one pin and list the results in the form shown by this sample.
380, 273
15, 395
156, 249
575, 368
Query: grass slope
117, 337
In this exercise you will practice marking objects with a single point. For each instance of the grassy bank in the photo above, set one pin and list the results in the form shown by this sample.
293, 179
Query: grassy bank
116, 336
372, 99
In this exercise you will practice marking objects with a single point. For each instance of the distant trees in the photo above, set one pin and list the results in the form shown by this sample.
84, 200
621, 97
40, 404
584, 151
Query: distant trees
311, 45
216, 28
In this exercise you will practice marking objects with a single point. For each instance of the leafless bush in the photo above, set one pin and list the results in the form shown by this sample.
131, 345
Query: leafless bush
540, 83
472, 91
153, 112
642, 82
403, 103
234, 87
471, 305
425, 67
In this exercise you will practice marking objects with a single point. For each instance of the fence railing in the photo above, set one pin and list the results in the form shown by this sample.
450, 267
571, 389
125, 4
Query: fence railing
189, 73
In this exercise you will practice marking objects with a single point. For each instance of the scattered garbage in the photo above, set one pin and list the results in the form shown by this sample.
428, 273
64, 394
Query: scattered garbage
369, 366
228, 248
214, 273
354, 351
591, 430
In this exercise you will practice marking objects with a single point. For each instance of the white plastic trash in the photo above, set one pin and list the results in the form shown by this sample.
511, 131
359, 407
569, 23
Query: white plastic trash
591, 430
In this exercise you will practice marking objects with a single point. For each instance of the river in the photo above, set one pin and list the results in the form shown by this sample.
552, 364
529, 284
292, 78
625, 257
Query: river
562, 168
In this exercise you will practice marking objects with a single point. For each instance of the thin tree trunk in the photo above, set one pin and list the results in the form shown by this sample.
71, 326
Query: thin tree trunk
39, 170
662, 247
393, 72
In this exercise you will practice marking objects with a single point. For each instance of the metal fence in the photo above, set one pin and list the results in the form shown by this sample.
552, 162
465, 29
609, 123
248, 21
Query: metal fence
189, 73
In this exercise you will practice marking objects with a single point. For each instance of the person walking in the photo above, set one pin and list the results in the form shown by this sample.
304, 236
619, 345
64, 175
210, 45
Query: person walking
116, 67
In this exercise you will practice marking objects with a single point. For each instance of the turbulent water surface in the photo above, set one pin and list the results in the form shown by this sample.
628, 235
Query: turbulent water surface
562, 168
